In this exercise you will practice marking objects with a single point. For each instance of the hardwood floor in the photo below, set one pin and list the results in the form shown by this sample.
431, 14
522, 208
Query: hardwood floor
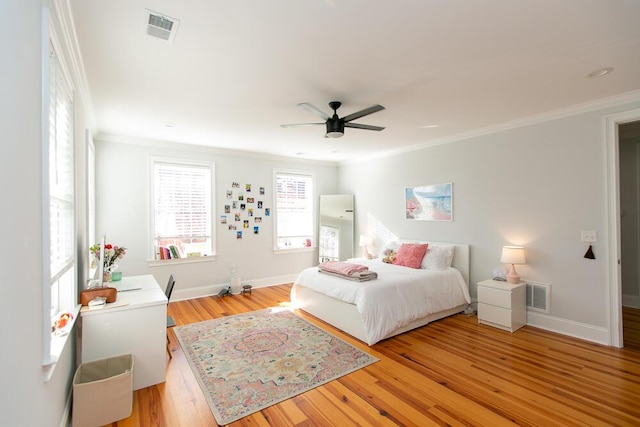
631, 324
450, 372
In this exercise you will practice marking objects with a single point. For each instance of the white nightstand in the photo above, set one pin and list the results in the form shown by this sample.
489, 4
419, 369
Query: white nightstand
502, 304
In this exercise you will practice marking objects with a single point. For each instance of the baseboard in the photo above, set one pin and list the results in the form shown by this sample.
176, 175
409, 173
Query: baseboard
632, 301
66, 416
571, 328
208, 290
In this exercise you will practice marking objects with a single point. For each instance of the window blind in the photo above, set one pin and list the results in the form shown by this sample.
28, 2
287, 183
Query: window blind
294, 210
182, 205
61, 190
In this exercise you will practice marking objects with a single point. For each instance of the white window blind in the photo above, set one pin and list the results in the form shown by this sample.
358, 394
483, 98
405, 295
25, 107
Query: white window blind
61, 190
294, 210
182, 207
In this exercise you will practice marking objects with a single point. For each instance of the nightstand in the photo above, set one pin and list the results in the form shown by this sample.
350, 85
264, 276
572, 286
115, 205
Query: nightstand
502, 304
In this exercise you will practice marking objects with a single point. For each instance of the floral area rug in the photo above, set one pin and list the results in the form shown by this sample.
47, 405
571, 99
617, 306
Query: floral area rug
247, 362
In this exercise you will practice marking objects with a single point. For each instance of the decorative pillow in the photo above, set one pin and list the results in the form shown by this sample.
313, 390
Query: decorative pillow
438, 257
410, 254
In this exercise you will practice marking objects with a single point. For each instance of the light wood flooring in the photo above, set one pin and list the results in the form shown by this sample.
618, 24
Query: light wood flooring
631, 332
450, 372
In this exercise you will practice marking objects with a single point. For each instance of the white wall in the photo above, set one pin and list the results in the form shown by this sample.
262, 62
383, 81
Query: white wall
538, 186
123, 214
27, 400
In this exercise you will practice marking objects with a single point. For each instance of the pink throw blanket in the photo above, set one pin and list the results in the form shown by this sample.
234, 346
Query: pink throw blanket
341, 267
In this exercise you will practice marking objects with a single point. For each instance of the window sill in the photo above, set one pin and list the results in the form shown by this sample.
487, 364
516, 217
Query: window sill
178, 261
58, 344
277, 251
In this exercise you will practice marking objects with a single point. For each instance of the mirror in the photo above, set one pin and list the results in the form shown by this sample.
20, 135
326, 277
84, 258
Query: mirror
336, 238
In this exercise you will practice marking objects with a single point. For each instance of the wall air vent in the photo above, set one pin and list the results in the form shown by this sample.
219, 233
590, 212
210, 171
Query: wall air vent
161, 26
539, 297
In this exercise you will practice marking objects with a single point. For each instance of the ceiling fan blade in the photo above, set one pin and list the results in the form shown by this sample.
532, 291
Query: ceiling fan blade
359, 126
299, 125
313, 109
362, 113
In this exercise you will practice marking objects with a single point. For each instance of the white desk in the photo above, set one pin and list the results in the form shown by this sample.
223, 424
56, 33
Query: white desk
136, 323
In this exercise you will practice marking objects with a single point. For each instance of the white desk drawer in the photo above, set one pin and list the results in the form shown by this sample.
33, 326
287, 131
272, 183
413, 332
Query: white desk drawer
495, 316
493, 296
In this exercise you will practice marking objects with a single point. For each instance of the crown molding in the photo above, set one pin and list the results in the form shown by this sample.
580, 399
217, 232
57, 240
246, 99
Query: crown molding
574, 110
146, 142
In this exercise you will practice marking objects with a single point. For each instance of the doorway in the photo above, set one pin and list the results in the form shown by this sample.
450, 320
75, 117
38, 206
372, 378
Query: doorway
629, 197
614, 124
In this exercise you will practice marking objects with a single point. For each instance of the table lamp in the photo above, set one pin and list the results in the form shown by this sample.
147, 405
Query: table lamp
512, 255
365, 242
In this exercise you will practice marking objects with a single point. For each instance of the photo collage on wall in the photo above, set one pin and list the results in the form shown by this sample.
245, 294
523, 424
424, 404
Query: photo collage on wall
244, 209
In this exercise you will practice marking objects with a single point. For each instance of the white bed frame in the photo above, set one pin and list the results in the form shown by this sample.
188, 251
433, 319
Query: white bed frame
346, 317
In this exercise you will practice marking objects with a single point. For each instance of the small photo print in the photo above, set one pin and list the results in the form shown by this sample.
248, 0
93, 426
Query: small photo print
257, 219
238, 234
250, 200
223, 219
227, 209
267, 211
237, 216
234, 204
248, 188
229, 194
245, 223
240, 197
256, 230
262, 190
259, 204
232, 227
235, 185
250, 210
243, 206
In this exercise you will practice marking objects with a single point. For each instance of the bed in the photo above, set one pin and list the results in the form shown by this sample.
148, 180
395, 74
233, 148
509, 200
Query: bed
397, 301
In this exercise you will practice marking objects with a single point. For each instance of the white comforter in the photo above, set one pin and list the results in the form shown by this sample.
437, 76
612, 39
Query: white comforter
399, 296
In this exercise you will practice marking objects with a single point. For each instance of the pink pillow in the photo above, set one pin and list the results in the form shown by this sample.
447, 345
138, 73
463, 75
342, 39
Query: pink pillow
411, 254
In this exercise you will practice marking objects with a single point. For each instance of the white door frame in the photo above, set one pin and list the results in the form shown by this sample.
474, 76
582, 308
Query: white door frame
613, 221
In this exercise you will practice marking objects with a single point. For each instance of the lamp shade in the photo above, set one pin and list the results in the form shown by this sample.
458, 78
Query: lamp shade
365, 241
513, 255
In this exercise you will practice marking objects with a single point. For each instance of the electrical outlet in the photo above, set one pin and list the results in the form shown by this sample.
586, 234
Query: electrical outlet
589, 236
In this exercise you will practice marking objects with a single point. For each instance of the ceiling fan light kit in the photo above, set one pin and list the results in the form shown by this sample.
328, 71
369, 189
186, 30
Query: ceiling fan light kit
335, 125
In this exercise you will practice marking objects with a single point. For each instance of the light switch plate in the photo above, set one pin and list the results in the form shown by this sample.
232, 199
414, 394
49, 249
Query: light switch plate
589, 236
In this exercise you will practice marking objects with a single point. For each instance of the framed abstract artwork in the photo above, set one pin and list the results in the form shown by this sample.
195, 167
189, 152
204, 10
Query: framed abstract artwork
429, 202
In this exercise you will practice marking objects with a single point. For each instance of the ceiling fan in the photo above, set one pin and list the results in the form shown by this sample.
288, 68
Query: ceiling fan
335, 125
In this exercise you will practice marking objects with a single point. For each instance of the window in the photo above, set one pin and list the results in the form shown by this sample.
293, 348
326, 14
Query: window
58, 203
62, 271
294, 210
182, 209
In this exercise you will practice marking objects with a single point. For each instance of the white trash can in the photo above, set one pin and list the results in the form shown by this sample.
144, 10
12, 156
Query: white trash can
103, 391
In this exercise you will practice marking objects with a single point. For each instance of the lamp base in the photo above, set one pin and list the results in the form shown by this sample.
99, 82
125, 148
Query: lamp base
512, 276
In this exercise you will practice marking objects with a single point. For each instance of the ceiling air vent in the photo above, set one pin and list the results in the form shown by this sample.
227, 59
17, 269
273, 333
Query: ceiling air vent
161, 26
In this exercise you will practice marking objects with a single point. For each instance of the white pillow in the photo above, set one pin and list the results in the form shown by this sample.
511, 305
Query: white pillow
438, 257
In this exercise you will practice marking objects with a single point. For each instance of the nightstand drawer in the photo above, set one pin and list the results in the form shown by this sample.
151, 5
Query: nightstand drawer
493, 296
495, 316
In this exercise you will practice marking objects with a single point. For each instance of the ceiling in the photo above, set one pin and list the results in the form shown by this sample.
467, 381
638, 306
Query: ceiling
236, 70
